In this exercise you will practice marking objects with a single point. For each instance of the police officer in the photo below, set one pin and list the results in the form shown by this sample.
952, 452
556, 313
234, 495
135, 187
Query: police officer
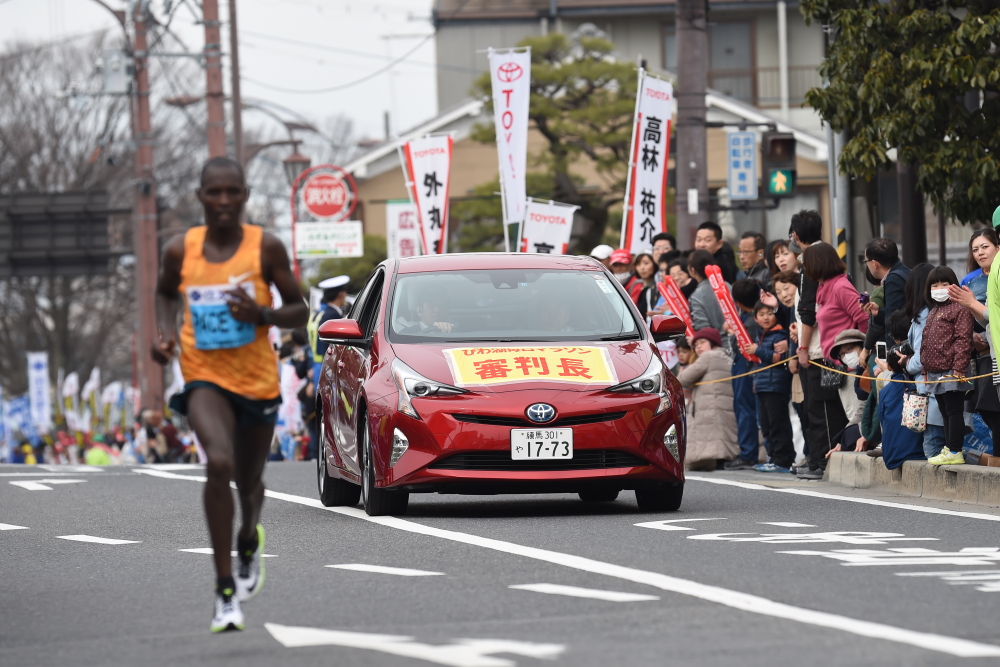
334, 307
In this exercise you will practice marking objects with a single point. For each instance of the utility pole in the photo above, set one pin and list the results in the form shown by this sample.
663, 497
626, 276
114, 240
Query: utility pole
145, 223
214, 93
692, 151
234, 65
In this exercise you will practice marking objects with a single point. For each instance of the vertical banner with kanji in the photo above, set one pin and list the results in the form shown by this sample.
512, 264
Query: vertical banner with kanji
39, 390
646, 196
402, 229
428, 162
547, 228
510, 73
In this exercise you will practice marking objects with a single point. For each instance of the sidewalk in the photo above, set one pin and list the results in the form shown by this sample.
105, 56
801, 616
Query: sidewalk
966, 483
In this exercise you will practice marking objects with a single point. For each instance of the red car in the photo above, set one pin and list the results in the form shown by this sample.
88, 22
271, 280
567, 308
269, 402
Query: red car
497, 373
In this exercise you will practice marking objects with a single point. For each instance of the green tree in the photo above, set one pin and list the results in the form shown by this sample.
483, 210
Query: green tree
582, 102
920, 76
357, 268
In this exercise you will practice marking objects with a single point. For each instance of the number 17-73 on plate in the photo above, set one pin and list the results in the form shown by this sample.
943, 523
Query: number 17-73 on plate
531, 443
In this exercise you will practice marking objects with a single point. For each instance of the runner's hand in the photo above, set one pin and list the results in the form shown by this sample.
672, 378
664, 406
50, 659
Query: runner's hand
163, 351
243, 307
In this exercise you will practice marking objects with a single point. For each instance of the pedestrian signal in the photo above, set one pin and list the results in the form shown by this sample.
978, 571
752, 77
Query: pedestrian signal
779, 163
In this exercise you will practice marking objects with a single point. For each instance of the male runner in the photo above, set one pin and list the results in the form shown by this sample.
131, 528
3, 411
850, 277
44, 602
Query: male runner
223, 270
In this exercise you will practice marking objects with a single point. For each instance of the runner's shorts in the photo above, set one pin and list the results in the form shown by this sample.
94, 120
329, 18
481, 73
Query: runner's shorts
249, 412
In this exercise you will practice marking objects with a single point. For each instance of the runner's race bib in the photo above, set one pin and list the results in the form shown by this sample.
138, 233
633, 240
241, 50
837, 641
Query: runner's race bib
215, 328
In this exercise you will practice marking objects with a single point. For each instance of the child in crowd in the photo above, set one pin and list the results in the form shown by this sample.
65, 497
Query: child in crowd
945, 353
773, 388
685, 357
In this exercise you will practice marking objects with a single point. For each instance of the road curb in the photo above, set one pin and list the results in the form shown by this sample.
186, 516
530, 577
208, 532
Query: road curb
979, 485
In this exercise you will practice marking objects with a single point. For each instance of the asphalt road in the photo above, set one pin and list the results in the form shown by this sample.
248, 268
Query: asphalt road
754, 570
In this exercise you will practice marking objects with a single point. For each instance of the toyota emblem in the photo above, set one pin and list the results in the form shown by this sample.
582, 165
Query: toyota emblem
509, 72
541, 413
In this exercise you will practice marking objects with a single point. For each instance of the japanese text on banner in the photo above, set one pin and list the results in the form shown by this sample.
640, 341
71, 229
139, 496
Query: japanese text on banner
402, 229
510, 74
729, 310
547, 228
647, 199
429, 165
39, 389
501, 365
677, 303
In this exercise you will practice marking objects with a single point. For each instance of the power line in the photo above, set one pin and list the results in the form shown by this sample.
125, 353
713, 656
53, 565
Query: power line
343, 86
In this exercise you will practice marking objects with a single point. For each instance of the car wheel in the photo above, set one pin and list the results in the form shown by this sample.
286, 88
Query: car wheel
377, 502
599, 495
333, 492
665, 498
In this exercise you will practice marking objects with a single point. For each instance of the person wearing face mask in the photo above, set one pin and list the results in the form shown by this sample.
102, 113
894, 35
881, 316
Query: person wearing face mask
621, 265
918, 310
847, 350
945, 354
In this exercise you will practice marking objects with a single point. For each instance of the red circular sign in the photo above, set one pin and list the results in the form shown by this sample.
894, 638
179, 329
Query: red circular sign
329, 195
509, 72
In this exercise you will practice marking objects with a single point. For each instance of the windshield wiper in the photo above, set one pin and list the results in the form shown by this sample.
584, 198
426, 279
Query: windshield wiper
632, 336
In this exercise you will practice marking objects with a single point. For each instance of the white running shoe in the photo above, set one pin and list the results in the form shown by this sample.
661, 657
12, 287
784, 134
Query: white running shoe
250, 575
228, 615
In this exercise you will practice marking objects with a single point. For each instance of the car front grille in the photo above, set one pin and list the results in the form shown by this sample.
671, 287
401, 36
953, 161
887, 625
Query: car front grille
583, 459
517, 422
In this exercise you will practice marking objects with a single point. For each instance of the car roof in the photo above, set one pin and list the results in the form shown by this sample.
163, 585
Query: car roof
497, 260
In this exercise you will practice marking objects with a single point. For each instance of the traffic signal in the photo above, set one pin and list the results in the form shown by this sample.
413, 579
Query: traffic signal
778, 154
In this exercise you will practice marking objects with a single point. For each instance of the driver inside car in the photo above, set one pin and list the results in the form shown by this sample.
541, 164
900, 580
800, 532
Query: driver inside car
432, 309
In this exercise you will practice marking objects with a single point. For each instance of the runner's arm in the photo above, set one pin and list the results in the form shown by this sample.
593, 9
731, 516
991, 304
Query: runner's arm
168, 300
277, 270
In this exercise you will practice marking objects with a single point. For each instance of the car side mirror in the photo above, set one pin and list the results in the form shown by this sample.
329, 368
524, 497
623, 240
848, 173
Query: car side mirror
667, 327
342, 332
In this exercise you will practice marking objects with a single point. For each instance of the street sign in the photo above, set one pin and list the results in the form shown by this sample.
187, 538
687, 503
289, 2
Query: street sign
742, 159
330, 194
317, 240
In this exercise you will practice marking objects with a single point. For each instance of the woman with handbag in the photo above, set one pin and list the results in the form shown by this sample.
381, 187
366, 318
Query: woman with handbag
918, 310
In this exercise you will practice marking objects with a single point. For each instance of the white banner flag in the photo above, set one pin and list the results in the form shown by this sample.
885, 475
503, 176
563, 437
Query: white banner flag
428, 161
646, 213
402, 229
510, 73
38, 390
547, 228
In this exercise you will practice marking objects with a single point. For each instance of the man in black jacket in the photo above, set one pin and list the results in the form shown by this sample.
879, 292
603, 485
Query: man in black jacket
752, 245
709, 237
882, 260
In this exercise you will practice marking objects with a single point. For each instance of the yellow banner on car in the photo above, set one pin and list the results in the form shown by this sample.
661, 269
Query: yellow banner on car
500, 365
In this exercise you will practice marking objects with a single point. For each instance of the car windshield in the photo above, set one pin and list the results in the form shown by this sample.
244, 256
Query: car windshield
506, 305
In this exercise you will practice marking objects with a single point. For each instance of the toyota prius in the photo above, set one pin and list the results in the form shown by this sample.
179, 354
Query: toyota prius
497, 373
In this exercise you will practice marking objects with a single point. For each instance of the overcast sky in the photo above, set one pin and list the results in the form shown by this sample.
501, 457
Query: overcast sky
298, 45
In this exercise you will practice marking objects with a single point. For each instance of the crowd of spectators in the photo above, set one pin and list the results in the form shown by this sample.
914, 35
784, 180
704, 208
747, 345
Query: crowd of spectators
905, 370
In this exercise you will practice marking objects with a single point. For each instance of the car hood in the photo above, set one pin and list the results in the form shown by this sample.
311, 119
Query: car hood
454, 364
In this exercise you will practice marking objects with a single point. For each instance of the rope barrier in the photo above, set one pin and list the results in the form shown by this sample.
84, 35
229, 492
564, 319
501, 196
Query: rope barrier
947, 378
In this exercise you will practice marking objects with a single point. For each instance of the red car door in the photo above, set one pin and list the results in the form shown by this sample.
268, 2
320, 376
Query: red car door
352, 368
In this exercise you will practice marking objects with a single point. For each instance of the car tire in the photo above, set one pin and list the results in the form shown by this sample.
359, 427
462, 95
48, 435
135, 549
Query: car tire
665, 498
377, 502
333, 492
599, 495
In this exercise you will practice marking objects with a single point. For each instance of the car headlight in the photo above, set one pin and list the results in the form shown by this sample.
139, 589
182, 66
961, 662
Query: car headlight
653, 381
412, 384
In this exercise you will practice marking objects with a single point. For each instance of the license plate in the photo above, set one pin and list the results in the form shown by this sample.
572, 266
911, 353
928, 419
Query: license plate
541, 443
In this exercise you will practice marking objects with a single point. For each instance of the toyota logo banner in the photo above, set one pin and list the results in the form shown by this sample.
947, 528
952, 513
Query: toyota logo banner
511, 76
428, 162
646, 195
547, 227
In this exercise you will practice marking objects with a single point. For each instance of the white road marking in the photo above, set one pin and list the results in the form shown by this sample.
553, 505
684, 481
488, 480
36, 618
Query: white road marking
593, 593
668, 524
867, 557
381, 569
96, 540
745, 602
33, 474
70, 468
843, 537
786, 524
8, 526
43, 484
173, 467
987, 581
209, 551
462, 653
863, 501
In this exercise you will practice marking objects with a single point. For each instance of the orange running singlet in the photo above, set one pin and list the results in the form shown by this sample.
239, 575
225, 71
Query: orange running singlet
215, 346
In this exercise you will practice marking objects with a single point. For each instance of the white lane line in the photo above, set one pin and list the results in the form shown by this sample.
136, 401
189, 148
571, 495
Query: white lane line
43, 484
381, 569
668, 524
863, 501
8, 526
787, 524
33, 474
173, 467
593, 593
95, 540
753, 603
70, 468
209, 551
